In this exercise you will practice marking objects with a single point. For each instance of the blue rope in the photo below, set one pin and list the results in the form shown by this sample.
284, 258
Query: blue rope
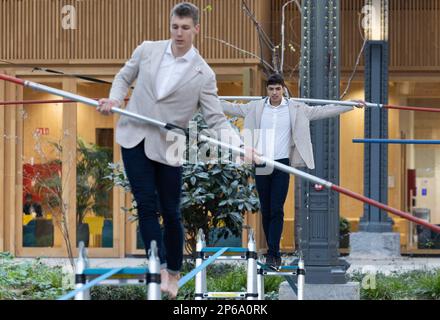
396, 141
90, 284
207, 262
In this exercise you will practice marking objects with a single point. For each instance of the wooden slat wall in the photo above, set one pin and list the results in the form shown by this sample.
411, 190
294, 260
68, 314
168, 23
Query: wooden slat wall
2, 169
351, 32
414, 32
9, 187
111, 29
417, 42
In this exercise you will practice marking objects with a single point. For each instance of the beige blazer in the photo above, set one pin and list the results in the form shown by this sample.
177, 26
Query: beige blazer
301, 151
197, 89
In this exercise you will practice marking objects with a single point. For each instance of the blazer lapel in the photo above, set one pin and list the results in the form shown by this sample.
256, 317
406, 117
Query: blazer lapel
259, 113
292, 113
156, 59
194, 70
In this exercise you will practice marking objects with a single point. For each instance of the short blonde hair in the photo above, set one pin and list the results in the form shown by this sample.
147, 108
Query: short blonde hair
186, 9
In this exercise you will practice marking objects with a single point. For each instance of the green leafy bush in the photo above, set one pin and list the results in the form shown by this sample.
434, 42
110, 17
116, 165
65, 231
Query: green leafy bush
33, 280
30, 280
411, 285
129, 292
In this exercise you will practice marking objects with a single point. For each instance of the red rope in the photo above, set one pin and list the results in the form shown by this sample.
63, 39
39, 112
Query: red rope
11, 79
412, 108
24, 102
6, 103
382, 206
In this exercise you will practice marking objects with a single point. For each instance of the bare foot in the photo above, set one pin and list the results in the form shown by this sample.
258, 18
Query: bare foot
173, 285
164, 280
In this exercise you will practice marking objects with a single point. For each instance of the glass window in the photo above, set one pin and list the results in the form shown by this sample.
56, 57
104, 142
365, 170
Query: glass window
42, 214
94, 153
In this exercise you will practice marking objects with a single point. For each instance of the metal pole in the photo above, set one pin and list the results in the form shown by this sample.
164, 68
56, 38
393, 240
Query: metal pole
243, 98
260, 283
269, 162
248, 98
153, 275
376, 127
80, 278
77, 98
252, 291
201, 286
396, 141
317, 210
301, 279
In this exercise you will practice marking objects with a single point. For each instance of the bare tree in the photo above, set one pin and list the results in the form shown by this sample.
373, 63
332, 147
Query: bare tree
276, 62
50, 187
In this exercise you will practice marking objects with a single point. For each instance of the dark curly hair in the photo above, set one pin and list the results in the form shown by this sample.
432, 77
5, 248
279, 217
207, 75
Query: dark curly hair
275, 79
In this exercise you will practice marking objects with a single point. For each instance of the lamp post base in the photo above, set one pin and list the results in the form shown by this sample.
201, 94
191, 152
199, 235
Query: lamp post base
374, 245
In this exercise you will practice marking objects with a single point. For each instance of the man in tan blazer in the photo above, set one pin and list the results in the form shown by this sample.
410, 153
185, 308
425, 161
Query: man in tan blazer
280, 129
172, 82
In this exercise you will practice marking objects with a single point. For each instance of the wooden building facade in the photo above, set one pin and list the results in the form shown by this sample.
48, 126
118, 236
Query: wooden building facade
95, 38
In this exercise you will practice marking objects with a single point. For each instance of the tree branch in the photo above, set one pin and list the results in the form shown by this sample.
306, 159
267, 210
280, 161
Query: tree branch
283, 19
243, 51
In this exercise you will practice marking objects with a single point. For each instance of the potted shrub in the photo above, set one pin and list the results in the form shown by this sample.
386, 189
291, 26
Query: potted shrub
344, 233
92, 193
92, 188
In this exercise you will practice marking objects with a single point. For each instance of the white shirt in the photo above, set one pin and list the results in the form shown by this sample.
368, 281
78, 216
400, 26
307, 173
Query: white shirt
275, 131
171, 70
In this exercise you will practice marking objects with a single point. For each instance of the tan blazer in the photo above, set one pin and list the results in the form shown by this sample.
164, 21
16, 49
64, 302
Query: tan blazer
197, 88
301, 151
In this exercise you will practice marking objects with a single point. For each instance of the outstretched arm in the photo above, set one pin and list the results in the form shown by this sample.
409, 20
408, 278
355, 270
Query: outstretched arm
329, 110
213, 112
211, 108
235, 109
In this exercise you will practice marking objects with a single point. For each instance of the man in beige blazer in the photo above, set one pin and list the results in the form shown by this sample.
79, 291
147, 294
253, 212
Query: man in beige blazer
172, 82
280, 129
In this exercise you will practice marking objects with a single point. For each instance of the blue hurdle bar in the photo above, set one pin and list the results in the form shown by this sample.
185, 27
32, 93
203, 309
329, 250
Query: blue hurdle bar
396, 141
230, 250
124, 271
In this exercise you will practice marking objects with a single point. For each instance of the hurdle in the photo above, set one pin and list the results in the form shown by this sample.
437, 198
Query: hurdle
255, 271
288, 272
86, 277
249, 254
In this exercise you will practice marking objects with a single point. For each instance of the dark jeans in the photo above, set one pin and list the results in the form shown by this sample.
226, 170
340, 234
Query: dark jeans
151, 181
272, 191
